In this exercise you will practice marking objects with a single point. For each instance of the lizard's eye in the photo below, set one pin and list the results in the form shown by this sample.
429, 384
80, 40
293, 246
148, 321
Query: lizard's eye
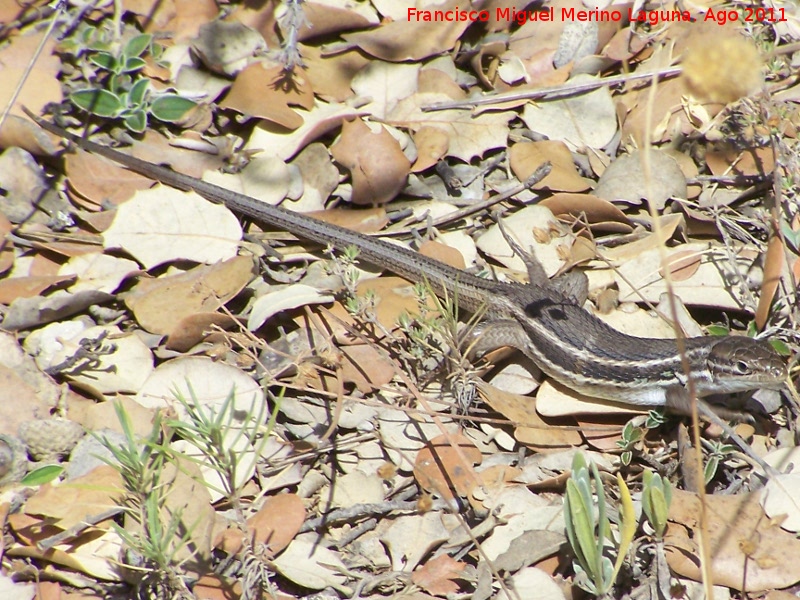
741, 367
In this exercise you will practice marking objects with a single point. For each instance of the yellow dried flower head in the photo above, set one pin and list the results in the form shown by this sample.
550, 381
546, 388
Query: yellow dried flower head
721, 67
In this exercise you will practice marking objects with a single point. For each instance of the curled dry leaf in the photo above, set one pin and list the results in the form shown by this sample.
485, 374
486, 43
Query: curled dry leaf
274, 141
377, 165
773, 269
600, 214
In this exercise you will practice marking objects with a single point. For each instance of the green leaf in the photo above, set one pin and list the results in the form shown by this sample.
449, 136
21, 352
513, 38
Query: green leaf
98, 102
780, 347
717, 330
136, 121
627, 526
137, 92
171, 108
137, 45
133, 64
104, 60
580, 517
710, 469
42, 475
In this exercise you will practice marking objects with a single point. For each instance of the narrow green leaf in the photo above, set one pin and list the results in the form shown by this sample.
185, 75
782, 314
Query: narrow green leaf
583, 524
42, 475
627, 525
98, 102
171, 108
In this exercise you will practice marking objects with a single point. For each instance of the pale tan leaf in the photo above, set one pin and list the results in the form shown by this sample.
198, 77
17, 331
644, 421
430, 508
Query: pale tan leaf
748, 551
98, 271
470, 136
163, 224
201, 382
582, 121
307, 563
286, 298
274, 141
160, 304
410, 538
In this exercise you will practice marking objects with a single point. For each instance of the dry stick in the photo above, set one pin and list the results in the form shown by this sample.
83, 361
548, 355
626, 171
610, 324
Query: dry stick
553, 90
703, 538
540, 173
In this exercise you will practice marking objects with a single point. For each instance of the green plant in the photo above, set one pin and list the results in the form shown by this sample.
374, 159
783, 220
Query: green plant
218, 432
656, 497
589, 528
718, 451
153, 543
633, 433
123, 92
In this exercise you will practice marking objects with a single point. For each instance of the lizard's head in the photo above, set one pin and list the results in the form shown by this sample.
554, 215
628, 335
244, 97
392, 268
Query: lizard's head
739, 363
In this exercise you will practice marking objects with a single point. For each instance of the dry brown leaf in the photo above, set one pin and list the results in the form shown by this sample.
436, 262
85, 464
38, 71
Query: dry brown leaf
21, 132
682, 265
443, 253
12, 288
69, 503
436, 576
159, 305
274, 525
531, 429
469, 135
410, 40
431, 146
365, 220
180, 18
264, 90
526, 157
332, 75
325, 18
41, 85
748, 550
601, 214
446, 471
98, 181
378, 168
191, 330
733, 161
773, 269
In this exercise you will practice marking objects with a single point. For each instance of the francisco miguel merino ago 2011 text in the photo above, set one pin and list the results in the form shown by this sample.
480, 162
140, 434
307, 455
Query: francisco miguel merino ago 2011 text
654, 17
